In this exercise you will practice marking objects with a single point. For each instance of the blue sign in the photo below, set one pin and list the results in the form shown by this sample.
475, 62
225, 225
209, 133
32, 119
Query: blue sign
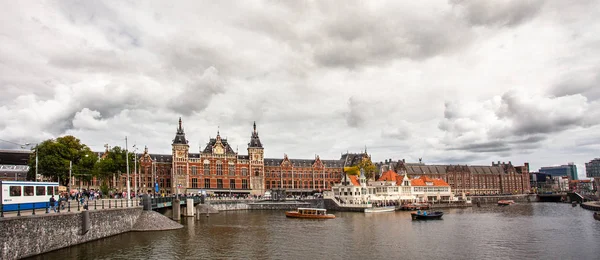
156, 187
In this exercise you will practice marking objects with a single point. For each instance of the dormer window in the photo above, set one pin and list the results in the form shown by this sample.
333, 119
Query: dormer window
429, 183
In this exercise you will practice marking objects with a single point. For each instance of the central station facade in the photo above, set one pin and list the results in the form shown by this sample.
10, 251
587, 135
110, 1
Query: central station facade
219, 169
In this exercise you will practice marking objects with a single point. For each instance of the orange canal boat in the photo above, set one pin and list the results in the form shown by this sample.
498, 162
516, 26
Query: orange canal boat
309, 213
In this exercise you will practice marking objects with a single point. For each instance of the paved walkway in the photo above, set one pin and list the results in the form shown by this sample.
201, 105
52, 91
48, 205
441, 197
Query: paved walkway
74, 206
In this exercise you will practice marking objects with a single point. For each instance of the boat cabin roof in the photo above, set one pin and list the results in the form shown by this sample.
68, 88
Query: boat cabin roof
311, 209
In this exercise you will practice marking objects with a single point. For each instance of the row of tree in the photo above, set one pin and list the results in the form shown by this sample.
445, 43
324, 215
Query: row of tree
55, 157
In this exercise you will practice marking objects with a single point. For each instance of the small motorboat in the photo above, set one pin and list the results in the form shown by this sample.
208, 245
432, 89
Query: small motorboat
380, 209
574, 203
426, 216
505, 202
311, 213
597, 215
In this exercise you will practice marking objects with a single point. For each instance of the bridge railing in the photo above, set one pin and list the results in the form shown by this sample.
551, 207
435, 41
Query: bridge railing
34, 208
161, 202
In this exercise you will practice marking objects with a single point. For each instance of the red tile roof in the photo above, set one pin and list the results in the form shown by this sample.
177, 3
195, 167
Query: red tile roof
389, 176
354, 180
421, 181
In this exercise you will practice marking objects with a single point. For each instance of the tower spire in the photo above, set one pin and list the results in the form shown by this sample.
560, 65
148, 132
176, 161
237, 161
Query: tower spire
180, 129
255, 126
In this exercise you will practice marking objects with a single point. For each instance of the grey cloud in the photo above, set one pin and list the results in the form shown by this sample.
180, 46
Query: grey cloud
586, 83
530, 139
356, 116
488, 147
530, 118
396, 133
515, 122
498, 13
116, 29
352, 35
198, 92
356, 39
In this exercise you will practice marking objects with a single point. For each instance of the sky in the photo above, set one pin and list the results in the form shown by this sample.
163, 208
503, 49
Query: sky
456, 82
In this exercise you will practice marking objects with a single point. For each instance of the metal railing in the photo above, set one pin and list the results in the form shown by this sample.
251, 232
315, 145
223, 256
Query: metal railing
68, 206
162, 202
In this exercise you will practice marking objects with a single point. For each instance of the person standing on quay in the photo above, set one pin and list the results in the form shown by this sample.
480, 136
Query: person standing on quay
52, 202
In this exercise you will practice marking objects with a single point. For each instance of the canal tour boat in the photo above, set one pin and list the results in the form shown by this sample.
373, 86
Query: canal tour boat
505, 202
380, 209
311, 213
426, 216
596, 215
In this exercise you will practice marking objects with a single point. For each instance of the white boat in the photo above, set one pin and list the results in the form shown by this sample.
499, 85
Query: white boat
380, 209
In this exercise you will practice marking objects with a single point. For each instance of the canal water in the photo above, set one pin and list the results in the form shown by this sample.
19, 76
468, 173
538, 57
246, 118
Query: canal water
521, 231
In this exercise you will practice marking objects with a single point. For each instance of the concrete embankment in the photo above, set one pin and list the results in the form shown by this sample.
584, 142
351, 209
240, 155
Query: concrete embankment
154, 221
495, 199
32, 235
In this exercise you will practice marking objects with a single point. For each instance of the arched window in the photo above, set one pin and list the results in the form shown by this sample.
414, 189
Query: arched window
219, 168
256, 172
231, 170
206, 167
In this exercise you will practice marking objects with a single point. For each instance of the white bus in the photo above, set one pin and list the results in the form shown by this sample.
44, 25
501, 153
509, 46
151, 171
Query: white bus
23, 195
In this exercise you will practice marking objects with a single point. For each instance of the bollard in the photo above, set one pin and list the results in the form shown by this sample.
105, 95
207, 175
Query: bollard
121, 203
69, 207
78, 206
18, 210
176, 210
102, 204
85, 222
146, 203
189, 208
109, 204
33, 213
95, 201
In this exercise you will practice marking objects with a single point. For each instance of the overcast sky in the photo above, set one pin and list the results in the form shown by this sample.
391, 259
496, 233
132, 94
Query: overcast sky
466, 82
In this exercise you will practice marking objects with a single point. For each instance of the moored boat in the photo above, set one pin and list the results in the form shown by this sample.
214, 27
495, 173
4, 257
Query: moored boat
380, 209
597, 215
311, 213
414, 206
505, 202
426, 216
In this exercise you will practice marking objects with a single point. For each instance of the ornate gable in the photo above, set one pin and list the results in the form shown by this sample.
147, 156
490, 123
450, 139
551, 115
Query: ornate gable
318, 163
286, 161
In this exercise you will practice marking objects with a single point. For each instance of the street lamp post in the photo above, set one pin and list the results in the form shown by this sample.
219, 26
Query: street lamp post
136, 174
70, 169
127, 163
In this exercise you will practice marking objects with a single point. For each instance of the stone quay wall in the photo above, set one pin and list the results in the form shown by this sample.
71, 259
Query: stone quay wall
330, 204
32, 235
495, 199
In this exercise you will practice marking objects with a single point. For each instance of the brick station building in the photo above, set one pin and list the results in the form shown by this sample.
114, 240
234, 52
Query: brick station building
499, 178
219, 169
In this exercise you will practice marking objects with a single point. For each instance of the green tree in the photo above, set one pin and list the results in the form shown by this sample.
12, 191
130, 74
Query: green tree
368, 167
54, 157
113, 164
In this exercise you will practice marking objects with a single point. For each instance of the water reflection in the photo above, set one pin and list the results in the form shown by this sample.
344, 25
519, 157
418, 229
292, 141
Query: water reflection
536, 230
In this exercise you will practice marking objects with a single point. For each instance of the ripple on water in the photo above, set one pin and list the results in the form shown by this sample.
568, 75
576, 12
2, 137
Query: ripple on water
521, 231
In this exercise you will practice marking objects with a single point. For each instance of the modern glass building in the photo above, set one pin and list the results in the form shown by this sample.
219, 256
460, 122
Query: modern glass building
569, 170
592, 169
